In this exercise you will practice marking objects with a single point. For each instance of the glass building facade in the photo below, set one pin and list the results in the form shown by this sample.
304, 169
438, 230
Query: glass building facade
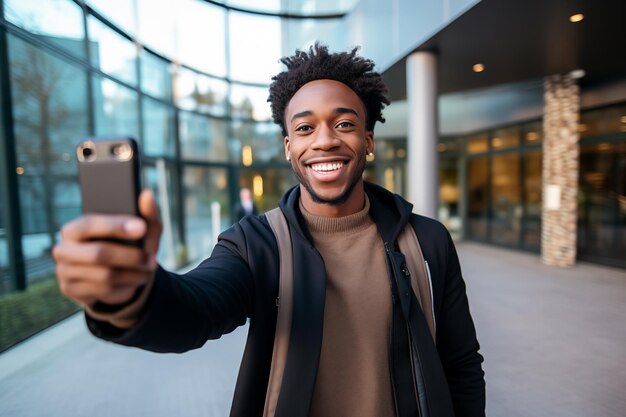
189, 80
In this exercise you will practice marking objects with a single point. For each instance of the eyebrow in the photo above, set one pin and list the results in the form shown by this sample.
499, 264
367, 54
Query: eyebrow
338, 110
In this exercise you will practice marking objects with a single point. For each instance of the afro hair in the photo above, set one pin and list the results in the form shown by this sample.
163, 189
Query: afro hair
318, 64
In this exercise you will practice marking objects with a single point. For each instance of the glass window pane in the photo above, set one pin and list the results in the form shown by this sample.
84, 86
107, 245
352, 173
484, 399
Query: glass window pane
120, 12
162, 180
156, 76
505, 138
112, 53
158, 129
603, 121
532, 200
203, 138
478, 143
200, 37
262, 142
200, 93
505, 199
206, 195
50, 116
250, 102
267, 185
6, 282
255, 47
449, 195
157, 29
533, 133
115, 108
602, 201
477, 198
59, 22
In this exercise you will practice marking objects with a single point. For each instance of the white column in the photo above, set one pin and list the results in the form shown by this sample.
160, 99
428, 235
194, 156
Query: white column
422, 156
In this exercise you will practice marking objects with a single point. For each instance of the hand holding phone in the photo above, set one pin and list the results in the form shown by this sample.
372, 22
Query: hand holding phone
95, 262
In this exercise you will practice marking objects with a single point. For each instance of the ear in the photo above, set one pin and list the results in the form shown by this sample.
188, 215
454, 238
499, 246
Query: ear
286, 142
369, 141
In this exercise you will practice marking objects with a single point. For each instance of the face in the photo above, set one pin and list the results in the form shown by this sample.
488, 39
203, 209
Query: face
327, 144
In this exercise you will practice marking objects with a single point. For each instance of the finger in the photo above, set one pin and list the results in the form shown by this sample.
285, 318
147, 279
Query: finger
101, 226
150, 212
115, 255
83, 282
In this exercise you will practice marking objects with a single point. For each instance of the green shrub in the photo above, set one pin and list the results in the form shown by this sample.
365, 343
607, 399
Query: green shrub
24, 313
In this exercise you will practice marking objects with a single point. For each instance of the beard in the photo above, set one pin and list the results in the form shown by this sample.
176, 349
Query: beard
341, 198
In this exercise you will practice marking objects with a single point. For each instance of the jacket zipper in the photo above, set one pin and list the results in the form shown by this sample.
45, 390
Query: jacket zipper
411, 354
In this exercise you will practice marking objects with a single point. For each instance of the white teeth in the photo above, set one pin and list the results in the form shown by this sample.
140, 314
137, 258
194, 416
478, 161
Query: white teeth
327, 167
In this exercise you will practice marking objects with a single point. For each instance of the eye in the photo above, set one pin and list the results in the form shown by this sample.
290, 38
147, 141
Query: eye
304, 128
345, 124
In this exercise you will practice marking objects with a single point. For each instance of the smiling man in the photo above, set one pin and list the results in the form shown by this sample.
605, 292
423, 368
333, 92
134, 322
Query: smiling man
360, 343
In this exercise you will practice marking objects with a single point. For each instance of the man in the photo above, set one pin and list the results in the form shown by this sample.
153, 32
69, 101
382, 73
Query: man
246, 204
354, 350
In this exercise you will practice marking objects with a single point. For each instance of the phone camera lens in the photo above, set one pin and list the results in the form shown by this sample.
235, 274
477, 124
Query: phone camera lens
86, 151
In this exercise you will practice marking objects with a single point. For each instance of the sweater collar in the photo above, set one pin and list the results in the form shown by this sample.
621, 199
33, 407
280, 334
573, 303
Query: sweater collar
389, 211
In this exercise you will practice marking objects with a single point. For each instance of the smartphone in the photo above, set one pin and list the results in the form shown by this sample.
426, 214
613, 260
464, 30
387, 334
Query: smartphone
109, 176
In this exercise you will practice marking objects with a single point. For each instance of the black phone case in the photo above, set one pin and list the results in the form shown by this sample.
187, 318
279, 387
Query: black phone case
109, 184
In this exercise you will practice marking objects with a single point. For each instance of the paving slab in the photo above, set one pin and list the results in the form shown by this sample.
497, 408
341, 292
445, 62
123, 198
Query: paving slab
554, 342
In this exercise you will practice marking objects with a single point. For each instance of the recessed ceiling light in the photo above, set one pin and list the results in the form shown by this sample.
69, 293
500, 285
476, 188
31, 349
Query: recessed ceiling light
478, 68
576, 17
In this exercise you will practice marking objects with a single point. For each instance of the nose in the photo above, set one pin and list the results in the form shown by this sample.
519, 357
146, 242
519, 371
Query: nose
325, 139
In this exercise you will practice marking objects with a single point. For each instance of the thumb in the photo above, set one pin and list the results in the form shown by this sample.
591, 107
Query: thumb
150, 212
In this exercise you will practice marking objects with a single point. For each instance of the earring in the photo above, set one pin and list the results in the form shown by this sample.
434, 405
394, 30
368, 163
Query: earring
369, 153
288, 157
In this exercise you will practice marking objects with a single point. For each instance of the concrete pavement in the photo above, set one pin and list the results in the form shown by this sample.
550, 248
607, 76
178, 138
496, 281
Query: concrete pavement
554, 342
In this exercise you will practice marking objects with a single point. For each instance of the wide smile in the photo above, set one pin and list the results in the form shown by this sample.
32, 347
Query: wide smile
327, 170
327, 167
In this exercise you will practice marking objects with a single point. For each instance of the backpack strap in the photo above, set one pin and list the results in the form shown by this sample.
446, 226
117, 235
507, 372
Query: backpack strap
284, 302
420, 276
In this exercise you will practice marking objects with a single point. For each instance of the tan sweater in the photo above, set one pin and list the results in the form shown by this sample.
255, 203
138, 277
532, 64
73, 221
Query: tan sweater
353, 378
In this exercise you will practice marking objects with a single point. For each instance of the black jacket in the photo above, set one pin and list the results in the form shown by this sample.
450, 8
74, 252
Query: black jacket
240, 280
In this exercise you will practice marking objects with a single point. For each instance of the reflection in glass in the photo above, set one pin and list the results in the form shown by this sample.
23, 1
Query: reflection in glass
120, 12
203, 138
602, 202
200, 93
505, 199
156, 78
264, 139
49, 115
603, 121
532, 199
5, 279
478, 203
111, 52
254, 53
58, 22
295, 7
162, 180
478, 143
533, 133
505, 138
156, 28
206, 194
250, 102
200, 36
116, 108
275, 182
449, 195
158, 129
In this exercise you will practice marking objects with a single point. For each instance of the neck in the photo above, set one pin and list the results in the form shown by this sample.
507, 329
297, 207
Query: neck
353, 204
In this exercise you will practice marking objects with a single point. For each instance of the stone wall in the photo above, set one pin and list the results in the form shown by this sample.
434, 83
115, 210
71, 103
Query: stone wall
560, 170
